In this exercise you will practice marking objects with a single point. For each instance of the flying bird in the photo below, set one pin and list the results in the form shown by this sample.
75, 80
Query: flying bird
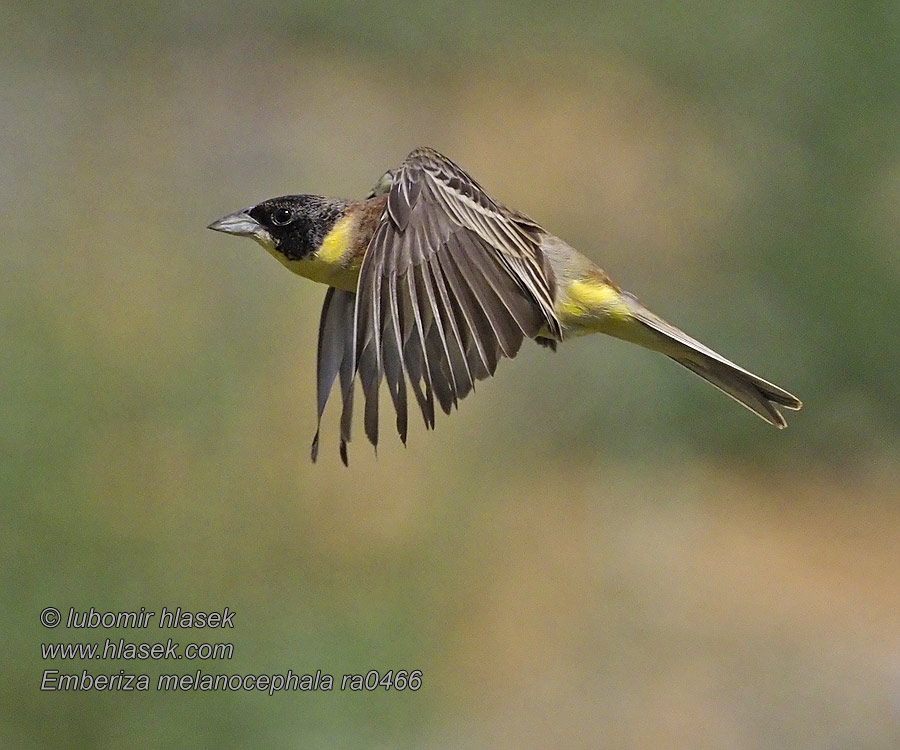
431, 282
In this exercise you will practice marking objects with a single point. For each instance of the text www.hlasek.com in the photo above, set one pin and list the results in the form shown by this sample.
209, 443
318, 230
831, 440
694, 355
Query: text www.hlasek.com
122, 649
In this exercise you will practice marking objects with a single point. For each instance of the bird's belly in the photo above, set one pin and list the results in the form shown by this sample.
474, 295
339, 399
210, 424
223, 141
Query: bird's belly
324, 272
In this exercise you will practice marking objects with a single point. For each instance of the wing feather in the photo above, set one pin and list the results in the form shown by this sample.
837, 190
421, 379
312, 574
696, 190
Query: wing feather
420, 347
348, 369
472, 319
330, 353
459, 364
393, 361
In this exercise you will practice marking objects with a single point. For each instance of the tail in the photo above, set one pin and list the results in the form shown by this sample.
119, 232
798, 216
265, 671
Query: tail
749, 390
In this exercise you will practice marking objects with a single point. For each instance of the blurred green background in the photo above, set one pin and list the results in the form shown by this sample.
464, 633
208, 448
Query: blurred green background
598, 550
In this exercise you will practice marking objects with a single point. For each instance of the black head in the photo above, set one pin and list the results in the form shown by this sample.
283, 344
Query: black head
293, 225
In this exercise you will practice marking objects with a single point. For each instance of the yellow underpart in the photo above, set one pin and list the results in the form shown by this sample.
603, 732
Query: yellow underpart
336, 242
332, 274
594, 299
590, 306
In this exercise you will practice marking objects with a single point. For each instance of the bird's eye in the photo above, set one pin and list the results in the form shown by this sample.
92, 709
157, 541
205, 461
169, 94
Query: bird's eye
282, 216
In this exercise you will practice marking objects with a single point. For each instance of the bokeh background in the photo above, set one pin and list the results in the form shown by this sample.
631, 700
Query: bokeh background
597, 550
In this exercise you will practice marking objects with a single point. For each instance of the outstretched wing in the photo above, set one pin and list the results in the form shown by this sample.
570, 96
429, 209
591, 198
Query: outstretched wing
451, 282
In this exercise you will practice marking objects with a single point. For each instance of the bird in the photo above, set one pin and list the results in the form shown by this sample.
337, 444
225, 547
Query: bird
432, 281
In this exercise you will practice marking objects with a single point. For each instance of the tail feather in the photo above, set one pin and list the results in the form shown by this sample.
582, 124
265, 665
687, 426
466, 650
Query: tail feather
751, 391
736, 385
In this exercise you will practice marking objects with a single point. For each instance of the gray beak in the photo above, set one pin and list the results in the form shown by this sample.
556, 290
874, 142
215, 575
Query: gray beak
240, 223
